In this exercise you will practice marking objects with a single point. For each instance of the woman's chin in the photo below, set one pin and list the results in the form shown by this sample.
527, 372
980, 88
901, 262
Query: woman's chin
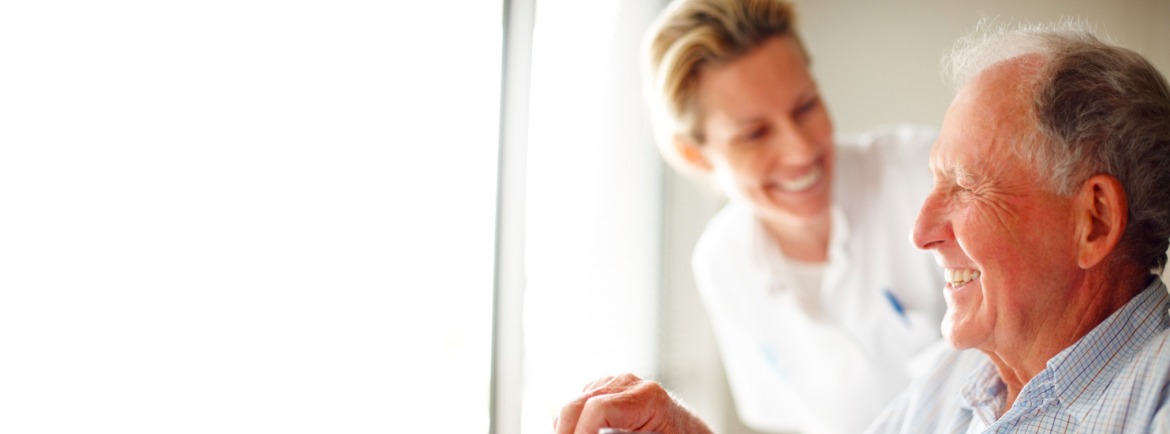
806, 210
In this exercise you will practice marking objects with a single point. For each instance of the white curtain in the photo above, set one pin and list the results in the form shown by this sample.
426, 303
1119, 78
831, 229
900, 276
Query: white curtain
593, 203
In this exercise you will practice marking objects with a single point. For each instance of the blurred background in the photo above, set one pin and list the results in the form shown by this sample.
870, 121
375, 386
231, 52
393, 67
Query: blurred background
360, 216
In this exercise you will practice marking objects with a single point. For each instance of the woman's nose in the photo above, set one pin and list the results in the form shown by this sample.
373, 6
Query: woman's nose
797, 146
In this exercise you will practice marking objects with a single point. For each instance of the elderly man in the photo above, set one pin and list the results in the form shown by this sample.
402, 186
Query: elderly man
1051, 208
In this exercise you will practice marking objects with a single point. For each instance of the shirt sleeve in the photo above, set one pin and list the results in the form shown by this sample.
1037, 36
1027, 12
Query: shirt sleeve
891, 419
1161, 422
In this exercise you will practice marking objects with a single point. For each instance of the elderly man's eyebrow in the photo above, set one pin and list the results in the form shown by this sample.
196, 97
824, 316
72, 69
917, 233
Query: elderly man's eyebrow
963, 176
952, 171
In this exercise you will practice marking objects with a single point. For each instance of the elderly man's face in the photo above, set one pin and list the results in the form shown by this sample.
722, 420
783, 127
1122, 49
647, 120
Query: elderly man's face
1006, 244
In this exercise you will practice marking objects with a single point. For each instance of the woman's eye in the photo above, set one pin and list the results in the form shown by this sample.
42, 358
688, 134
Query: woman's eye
754, 133
808, 106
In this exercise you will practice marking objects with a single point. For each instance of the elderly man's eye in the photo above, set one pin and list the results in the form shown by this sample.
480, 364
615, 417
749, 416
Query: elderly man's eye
959, 191
965, 182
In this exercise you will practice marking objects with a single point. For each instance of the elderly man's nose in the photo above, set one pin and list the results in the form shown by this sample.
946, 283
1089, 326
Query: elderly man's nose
930, 227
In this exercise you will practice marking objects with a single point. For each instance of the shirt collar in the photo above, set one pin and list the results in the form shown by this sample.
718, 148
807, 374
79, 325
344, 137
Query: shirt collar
1082, 371
1078, 375
767, 257
838, 253
983, 394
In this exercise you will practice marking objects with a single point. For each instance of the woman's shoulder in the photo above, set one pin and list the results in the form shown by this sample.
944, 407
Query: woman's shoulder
725, 252
730, 230
885, 163
906, 143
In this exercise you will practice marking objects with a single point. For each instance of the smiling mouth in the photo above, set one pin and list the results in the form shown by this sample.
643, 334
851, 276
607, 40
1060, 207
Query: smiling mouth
802, 183
959, 277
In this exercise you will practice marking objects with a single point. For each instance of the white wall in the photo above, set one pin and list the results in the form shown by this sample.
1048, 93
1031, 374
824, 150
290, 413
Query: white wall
877, 62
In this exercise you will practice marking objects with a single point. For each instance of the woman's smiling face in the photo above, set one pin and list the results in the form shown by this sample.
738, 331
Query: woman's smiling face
768, 137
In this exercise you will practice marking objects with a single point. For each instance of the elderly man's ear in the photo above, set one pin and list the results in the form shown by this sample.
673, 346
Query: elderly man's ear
690, 152
1101, 218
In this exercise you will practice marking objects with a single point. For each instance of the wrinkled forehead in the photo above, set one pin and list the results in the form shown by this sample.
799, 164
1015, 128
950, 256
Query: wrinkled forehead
988, 123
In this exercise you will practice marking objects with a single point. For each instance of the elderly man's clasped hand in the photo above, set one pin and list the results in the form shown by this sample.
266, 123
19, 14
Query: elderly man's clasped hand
629, 403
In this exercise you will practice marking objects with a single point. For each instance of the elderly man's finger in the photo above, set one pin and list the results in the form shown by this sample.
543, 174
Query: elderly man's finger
639, 405
597, 384
567, 421
570, 415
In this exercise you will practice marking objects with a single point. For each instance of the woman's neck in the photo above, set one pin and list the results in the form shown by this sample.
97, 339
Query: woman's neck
800, 238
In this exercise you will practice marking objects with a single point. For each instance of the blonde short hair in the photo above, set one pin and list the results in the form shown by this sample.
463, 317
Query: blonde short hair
690, 35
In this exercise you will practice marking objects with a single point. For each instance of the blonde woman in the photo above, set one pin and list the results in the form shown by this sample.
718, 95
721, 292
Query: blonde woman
817, 297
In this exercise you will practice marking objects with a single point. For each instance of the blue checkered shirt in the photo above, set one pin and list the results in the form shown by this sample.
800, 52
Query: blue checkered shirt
1113, 380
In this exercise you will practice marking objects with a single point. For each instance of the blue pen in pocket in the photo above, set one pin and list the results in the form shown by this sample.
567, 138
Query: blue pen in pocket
896, 305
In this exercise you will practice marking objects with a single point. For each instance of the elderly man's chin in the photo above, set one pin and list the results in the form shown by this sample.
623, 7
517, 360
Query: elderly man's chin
959, 333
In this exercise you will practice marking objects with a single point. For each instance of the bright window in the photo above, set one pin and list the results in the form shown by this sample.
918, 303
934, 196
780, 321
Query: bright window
247, 215
593, 205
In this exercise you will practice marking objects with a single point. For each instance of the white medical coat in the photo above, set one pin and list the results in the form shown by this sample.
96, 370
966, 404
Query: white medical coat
881, 298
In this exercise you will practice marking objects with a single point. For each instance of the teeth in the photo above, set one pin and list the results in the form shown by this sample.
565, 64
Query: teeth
802, 183
960, 277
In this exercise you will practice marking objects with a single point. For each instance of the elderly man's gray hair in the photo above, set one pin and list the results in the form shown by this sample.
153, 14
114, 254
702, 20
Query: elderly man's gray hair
1098, 108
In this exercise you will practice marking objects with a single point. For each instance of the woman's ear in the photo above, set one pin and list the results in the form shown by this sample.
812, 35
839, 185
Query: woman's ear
690, 153
1102, 213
